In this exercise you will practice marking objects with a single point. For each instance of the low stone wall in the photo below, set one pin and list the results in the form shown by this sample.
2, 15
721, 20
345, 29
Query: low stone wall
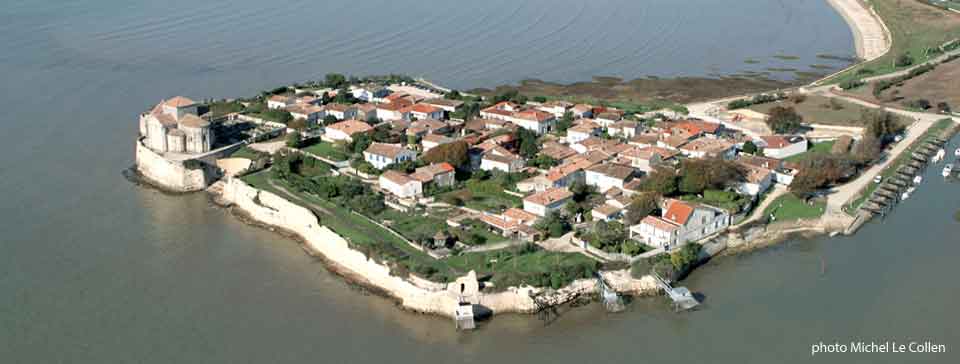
174, 175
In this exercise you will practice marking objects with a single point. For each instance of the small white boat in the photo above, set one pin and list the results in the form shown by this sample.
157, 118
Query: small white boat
957, 152
904, 196
917, 180
947, 170
939, 156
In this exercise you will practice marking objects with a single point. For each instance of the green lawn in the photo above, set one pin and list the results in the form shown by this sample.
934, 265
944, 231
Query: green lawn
327, 150
484, 195
360, 232
815, 149
914, 27
790, 207
888, 172
820, 110
512, 267
248, 153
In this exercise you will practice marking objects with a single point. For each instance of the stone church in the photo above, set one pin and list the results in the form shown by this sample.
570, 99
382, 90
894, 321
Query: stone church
173, 126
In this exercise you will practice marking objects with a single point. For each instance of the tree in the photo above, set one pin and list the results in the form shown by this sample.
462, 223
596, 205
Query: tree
298, 124
698, 175
293, 139
880, 124
540, 99
329, 120
543, 161
581, 191
662, 181
784, 120
335, 80
455, 153
750, 148
553, 225
565, 122
943, 107
904, 60
453, 95
361, 142
529, 146
642, 205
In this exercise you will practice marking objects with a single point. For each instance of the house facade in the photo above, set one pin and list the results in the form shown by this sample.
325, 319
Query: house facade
780, 147
681, 222
382, 155
400, 185
609, 175
345, 130
543, 203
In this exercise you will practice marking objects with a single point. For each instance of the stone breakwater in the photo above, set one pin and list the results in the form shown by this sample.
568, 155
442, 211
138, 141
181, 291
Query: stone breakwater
411, 293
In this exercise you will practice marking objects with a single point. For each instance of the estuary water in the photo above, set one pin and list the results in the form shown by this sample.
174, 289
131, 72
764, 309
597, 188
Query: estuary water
96, 270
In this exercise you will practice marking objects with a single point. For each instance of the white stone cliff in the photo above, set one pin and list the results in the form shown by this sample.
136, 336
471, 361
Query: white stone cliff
270, 209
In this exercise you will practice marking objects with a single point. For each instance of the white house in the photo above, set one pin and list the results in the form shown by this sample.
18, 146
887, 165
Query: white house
780, 147
609, 175
582, 131
498, 159
340, 111
531, 119
680, 223
400, 184
606, 212
369, 93
556, 108
757, 180
421, 111
624, 129
543, 203
310, 113
345, 130
440, 174
704, 147
279, 101
381, 155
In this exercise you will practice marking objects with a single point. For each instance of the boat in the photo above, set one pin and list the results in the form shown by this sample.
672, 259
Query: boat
947, 170
939, 156
957, 152
917, 180
904, 196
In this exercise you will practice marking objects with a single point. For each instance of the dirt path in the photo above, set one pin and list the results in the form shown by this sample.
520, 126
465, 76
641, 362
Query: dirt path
778, 190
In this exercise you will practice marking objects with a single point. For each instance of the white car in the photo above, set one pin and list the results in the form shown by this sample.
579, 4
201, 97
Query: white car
877, 179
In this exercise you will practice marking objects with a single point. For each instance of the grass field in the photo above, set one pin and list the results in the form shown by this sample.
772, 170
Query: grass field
789, 207
914, 27
815, 149
533, 268
327, 150
820, 110
938, 85
939, 127
484, 195
248, 153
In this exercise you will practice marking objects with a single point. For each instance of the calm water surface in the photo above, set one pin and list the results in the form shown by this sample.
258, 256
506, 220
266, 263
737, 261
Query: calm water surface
96, 270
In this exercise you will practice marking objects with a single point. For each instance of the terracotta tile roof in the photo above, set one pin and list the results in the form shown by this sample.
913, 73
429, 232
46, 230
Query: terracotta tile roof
549, 196
518, 215
420, 108
755, 174
337, 107
707, 145
557, 151
351, 127
659, 224
179, 101
617, 171
428, 173
193, 121
678, 212
571, 166
436, 138
534, 115
645, 139
499, 222
607, 210
760, 161
396, 177
387, 150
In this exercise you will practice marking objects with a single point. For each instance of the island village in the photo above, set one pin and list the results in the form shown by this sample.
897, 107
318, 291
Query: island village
460, 205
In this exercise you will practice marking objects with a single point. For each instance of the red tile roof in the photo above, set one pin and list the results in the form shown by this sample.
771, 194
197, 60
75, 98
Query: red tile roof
678, 212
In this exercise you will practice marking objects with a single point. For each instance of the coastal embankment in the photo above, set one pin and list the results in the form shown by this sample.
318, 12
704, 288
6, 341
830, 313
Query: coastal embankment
410, 292
871, 37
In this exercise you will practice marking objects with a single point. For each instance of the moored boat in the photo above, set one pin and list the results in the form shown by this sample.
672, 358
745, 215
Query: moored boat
917, 179
957, 152
947, 170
